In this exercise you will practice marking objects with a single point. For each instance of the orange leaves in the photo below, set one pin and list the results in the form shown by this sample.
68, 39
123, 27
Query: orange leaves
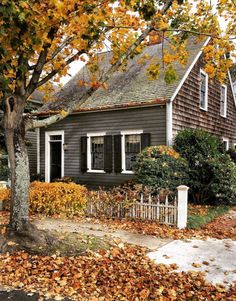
93, 84
129, 275
57, 198
221, 227
4, 194
54, 198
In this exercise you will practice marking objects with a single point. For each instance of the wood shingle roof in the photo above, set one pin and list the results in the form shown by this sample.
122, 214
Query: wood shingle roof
125, 88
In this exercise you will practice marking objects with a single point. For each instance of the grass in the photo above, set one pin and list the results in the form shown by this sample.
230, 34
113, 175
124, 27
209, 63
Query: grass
199, 216
73, 244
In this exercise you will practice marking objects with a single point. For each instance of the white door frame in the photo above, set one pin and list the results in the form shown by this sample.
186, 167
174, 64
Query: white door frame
47, 153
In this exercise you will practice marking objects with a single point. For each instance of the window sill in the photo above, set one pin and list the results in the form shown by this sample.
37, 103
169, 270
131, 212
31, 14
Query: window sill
95, 171
203, 109
127, 172
223, 116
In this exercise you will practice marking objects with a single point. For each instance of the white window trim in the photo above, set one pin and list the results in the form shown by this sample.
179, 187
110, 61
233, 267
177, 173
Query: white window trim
47, 153
123, 133
227, 142
225, 107
89, 158
38, 150
206, 95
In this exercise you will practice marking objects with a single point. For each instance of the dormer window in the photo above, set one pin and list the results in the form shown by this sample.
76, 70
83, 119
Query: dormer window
223, 101
203, 90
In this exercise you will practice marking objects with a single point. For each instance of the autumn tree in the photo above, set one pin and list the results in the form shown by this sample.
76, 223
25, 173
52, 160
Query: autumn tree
40, 39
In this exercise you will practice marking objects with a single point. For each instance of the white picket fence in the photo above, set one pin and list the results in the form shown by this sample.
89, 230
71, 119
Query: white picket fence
153, 208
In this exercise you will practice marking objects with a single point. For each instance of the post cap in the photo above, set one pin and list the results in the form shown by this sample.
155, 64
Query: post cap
183, 187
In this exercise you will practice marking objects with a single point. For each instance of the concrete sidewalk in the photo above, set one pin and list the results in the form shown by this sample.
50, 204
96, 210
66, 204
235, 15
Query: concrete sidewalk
216, 258
148, 241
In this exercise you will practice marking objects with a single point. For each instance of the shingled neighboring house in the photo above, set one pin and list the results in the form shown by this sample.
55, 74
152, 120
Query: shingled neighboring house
32, 137
98, 143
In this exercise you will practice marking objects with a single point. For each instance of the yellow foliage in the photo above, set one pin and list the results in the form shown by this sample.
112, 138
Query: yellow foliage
5, 194
57, 198
53, 198
153, 71
63, 113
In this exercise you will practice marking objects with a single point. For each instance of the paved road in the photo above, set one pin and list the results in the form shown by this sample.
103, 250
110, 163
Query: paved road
20, 296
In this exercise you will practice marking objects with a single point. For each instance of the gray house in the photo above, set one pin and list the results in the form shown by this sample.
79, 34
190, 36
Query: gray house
32, 138
98, 143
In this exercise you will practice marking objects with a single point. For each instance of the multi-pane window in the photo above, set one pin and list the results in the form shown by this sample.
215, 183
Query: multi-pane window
223, 101
132, 148
97, 153
203, 90
226, 143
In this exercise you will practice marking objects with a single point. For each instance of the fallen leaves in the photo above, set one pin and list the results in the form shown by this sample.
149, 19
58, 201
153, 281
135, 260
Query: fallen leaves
221, 228
118, 274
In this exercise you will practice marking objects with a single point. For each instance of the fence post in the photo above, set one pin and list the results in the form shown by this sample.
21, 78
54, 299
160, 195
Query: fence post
182, 206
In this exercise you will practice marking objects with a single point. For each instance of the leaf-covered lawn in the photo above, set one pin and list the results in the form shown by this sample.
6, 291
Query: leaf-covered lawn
215, 229
117, 274
199, 215
221, 227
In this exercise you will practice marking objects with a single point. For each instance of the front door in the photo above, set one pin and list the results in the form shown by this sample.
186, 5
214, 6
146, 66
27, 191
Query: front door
54, 156
55, 160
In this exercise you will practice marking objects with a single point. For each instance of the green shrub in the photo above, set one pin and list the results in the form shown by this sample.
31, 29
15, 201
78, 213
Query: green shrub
161, 168
232, 153
222, 183
214, 181
197, 144
212, 174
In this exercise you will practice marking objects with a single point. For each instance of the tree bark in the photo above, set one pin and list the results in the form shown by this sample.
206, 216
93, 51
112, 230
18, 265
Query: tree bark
15, 141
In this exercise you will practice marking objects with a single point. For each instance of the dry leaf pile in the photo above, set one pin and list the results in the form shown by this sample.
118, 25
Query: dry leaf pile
221, 228
118, 274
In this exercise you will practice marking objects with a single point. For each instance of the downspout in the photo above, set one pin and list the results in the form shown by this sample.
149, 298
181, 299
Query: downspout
169, 124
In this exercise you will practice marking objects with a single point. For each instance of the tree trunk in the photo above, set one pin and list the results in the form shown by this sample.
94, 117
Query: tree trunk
20, 180
14, 127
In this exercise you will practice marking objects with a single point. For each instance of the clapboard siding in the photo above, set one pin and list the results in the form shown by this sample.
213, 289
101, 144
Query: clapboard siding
186, 111
150, 120
31, 137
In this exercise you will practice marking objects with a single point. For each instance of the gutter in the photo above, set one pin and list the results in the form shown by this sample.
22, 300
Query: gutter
156, 102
